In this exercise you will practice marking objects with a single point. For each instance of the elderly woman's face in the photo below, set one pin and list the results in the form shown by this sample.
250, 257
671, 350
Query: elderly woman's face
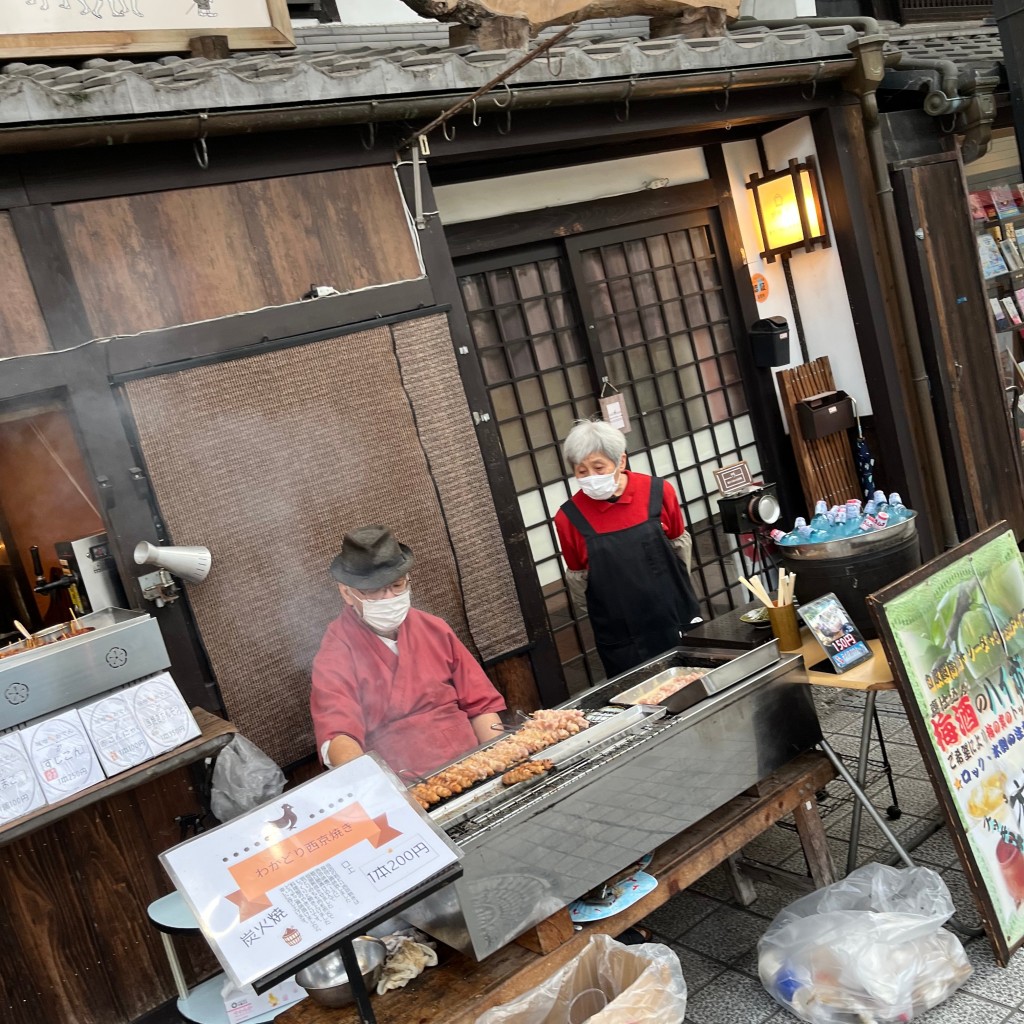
598, 464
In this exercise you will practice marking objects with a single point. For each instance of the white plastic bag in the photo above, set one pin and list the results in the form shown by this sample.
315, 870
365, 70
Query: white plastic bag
870, 948
243, 778
608, 983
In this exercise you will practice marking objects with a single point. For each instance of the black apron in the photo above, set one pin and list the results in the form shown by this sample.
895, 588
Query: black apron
638, 593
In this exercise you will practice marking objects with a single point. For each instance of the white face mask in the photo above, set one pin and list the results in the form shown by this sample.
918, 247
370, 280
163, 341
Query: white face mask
601, 487
387, 614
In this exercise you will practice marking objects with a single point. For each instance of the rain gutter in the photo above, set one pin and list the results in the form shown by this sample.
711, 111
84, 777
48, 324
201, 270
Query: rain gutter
162, 128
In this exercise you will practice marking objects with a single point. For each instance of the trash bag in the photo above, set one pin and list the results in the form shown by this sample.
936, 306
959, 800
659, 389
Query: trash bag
243, 778
868, 948
608, 983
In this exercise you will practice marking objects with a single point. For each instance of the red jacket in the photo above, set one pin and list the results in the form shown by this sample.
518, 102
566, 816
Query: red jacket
629, 509
413, 708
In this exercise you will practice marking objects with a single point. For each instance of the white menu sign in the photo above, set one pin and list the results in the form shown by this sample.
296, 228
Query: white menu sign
291, 874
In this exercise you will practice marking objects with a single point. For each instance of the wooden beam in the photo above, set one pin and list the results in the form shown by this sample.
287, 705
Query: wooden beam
482, 236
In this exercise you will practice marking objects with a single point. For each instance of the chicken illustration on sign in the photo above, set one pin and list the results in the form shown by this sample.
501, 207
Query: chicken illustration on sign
544, 13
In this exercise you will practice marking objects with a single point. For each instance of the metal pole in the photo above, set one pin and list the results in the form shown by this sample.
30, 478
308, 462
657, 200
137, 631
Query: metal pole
355, 979
866, 803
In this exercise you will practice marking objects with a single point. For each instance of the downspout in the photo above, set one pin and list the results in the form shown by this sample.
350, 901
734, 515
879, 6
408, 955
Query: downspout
864, 83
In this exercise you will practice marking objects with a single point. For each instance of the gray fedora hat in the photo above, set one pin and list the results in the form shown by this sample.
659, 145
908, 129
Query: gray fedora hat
371, 558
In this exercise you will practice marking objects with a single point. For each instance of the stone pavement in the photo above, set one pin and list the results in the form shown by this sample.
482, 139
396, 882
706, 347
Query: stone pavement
716, 939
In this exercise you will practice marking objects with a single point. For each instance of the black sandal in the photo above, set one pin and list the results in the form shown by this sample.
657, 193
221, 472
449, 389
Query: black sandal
635, 936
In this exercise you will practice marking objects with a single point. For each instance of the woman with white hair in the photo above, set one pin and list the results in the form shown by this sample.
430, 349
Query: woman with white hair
624, 543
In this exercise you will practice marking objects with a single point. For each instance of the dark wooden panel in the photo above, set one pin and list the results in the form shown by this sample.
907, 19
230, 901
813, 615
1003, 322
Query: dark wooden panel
22, 328
152, 261
131, 169
483, 236
343, 228
50, 272
335, 313
55, 967
516, 682
982, 457
859, 240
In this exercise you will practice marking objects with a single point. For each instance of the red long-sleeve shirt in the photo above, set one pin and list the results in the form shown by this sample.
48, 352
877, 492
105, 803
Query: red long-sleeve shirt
415, 707
629, 509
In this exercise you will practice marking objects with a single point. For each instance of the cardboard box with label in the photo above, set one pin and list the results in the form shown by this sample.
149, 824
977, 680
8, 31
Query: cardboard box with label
242, 1004
62, 756
20, 792
115, 733
162, 713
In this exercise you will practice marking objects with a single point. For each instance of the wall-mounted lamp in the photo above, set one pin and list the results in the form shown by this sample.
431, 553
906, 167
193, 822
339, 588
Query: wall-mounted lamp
789, 213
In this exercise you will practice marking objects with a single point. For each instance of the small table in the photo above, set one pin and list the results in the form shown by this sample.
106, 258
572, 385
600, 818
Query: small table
868, 678
730, 631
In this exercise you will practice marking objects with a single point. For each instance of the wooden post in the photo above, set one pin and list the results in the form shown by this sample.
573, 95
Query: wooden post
551, 933
814, 842
210, 47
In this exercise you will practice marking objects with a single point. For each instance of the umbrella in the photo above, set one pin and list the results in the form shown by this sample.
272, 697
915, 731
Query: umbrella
863, 459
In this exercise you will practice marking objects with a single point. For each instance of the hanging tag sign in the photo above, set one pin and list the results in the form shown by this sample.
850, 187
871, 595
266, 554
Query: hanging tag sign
614, 411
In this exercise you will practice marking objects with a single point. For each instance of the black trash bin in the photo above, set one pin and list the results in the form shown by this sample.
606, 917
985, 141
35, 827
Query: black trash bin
855, 567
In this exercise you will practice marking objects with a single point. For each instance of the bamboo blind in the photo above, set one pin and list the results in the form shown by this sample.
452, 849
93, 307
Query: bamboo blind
825, 463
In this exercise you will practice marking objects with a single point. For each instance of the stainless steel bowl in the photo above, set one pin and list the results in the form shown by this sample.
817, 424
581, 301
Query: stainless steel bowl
327, 982
849, 547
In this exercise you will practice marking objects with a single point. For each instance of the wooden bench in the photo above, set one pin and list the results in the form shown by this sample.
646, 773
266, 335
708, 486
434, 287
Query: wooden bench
459, 989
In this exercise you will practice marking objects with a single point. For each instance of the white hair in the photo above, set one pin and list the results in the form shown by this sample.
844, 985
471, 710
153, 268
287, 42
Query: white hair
589, 437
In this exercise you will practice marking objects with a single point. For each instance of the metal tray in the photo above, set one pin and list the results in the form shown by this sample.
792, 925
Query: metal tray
631, 697
720, 676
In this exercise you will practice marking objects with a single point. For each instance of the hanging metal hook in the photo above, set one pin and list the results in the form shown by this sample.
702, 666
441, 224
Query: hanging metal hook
508, 123
624, 116
728, 85
475, 116
199, 146
561, 64
952, 125
369, 136
509, 99
814, 82
448, 131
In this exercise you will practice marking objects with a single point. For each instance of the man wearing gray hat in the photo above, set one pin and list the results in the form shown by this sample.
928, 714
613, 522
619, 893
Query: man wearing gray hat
390, 678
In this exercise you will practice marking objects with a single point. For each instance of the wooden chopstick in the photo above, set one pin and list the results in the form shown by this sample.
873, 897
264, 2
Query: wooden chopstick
759, 594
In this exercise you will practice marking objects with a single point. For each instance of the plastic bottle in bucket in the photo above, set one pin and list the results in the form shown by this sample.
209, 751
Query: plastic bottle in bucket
820, 520
898, 512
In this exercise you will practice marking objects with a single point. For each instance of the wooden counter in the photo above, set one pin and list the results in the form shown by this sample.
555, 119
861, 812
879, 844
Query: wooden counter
75, 880
214, 735
460, 989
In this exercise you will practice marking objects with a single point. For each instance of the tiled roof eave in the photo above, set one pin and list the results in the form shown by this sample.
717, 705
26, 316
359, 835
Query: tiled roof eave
101, 90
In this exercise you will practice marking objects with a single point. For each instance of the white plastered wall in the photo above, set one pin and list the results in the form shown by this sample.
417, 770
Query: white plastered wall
538, 190
817, 276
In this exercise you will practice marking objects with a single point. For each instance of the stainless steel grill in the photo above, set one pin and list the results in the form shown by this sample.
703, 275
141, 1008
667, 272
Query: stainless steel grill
640, 777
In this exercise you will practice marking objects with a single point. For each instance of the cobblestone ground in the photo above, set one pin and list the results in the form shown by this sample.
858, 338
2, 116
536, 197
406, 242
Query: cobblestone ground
716, 938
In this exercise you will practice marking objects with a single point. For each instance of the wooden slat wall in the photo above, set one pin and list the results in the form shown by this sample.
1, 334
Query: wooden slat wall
825, 463
22, 329
166, 258
76, 943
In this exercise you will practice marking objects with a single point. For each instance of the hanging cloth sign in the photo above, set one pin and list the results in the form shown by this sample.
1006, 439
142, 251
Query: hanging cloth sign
613, 407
